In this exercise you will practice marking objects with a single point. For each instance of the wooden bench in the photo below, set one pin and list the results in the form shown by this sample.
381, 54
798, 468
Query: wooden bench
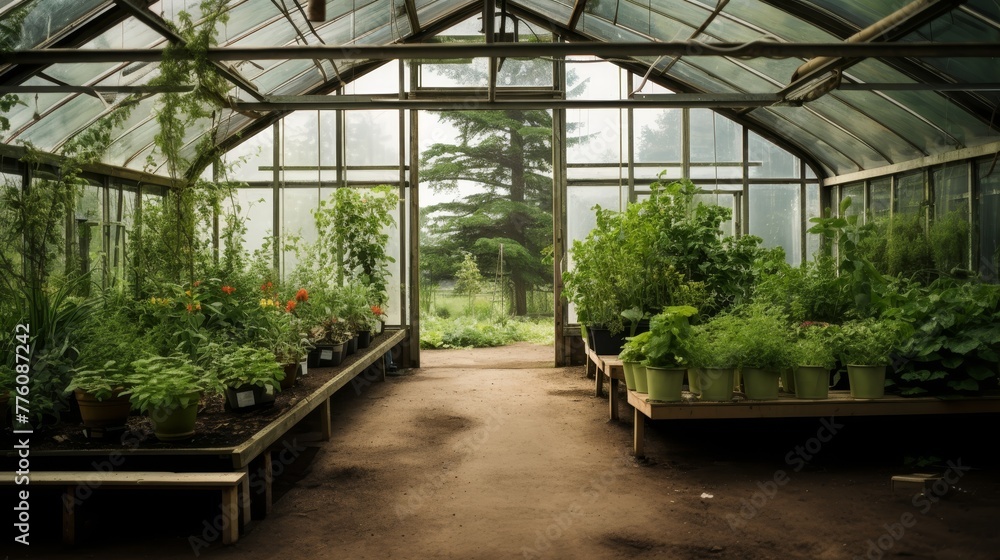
226, 482
611, 367
839, 403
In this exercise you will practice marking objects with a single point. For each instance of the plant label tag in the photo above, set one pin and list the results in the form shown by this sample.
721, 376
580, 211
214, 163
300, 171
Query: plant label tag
244, 398
269, 390
304, 367
326, 354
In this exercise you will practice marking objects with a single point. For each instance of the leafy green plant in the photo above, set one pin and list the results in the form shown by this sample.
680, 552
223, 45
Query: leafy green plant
908, 251
235, 366
815, 346
167, 382
949, 241
669, 332
955, 342
469, 332
101, 382
869, 342
468, 280
634, 349
762, 339
712, 344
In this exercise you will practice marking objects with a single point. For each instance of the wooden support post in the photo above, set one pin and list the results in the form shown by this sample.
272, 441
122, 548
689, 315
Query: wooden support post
613, 397
638, 433
69, 515
268, 480
230, 515
325, 423
598, 381
245, 499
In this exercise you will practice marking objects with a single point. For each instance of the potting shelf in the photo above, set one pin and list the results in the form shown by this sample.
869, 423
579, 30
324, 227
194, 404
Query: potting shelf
252, 456
610, 367
839, 403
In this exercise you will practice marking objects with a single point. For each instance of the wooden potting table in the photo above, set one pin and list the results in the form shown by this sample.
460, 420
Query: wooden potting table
610, 367
839, 403
252, 457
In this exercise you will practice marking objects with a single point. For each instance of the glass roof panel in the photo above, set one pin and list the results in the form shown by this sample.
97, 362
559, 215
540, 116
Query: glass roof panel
606, 9
988, 8
861, 13
873, 133
929, 105
48, 18
247, 16
557, 10
824, 152
773, 21
429, 11
64, 121
928, 138
833, 135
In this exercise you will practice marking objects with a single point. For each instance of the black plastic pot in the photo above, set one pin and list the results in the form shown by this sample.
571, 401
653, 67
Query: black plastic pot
249, 397
326, 355
364, 339
604, 343
352, 345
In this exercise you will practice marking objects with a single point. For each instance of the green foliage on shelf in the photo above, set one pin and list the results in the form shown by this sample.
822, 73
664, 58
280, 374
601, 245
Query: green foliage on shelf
870, 342
816, 346
669, 331
235, 366
634, 349
167, 382
101, 382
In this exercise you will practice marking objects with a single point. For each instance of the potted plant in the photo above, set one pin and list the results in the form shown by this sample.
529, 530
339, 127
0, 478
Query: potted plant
666, 359
814, 357
99, 394
712, 352
249, 375
168, 388
328, 340
866, 347
763, 348
290, 343
632, 355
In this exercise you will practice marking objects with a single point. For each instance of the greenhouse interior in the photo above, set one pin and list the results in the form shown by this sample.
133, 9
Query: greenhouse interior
500, 278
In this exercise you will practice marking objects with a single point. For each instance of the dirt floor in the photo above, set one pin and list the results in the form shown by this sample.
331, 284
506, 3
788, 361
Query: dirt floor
485, 454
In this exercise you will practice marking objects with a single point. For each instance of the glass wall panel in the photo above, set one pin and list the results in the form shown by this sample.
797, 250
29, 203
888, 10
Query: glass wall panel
251, 159
988, 182
659, 135
880, 199
856, 192
909, 193
373, 138
598, 134
716, 146
776, 217
949, 231
813, 210
770, 161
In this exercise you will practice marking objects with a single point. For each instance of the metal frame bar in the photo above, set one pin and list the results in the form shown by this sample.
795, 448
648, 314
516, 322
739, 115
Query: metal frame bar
956, 155
631, 49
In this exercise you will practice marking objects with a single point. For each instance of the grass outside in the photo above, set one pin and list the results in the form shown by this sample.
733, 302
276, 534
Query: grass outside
454, 321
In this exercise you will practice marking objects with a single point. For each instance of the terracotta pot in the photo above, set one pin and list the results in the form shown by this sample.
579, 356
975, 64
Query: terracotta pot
110, 413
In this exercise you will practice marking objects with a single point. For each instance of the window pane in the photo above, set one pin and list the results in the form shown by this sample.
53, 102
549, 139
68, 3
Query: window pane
910, 193
770, 161
776, 217
881, 197
989, 226
856, 192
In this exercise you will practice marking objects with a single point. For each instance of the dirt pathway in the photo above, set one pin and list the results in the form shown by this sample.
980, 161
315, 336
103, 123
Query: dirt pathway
488, 454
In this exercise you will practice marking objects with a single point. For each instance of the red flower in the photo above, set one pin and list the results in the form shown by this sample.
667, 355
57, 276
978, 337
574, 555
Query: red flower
266, 286
377, 310
228, 290
197, 283
302, 295
290, 306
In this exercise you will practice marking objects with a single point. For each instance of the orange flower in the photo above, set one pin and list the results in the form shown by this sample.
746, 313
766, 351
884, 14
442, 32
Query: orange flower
376, 310
302, 295
190, 308
266, 286
197, 283
228, 290
290, 306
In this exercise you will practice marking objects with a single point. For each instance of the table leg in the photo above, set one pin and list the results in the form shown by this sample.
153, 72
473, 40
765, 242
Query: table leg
245, 499
230, 515
69, 515
613, 398
325, 422
638, 432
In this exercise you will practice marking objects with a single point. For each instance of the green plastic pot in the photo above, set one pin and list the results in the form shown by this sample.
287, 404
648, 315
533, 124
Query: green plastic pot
812, 382
867, 382
694, 380
665, 384
788, 380
716, 384
761, 384
737, 380
629, 368
639, 372
175, 423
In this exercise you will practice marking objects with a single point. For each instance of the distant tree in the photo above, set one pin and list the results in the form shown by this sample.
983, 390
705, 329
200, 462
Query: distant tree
468, 281
507, 155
